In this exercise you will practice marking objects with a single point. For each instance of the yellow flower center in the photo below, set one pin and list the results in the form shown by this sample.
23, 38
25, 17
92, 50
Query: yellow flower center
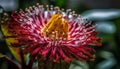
57, 28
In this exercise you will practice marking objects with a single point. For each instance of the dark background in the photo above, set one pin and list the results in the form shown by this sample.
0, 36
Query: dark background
105, 13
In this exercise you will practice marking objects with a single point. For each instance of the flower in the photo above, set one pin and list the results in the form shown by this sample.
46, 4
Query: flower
51, 34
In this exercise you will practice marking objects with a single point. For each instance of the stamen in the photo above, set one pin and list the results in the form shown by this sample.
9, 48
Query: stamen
56, 28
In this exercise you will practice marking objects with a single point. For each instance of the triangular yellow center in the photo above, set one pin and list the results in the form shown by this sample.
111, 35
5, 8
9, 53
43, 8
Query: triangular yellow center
56, 28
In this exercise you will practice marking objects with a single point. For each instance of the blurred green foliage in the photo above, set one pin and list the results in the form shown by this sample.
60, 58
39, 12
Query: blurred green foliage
111, 42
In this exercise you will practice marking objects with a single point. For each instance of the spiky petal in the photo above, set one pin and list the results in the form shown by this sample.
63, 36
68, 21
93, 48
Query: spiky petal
53, 35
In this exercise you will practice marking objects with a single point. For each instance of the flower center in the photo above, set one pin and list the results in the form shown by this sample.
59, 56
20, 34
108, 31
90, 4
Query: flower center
57, 28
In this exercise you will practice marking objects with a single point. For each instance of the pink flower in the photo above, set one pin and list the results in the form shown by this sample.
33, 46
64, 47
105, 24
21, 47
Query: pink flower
53, 34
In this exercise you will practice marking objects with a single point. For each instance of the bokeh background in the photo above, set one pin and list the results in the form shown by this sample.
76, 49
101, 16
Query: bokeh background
105, 13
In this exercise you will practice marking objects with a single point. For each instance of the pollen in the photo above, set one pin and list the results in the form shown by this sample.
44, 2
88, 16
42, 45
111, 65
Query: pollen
56, 28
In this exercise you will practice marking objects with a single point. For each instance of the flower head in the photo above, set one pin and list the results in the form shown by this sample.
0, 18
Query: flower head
53, 34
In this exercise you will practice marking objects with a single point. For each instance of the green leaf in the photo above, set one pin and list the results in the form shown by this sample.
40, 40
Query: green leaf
61, 3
